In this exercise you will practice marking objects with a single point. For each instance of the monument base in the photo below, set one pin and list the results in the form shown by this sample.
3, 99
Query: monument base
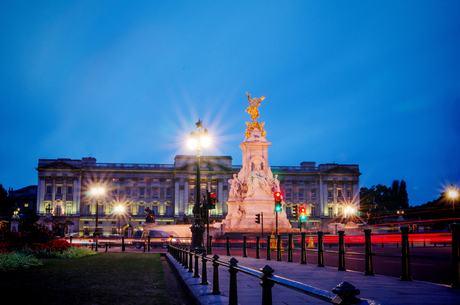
242, 213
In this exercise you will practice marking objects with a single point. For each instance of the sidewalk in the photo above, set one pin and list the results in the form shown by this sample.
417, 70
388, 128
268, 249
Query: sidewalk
378, 288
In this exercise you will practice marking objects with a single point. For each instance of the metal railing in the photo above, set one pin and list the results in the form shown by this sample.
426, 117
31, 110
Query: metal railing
343, 293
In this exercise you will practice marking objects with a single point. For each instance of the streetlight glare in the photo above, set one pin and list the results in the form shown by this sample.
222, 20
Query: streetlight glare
97, 190
192, 143
205, 141
119, 208
453, 194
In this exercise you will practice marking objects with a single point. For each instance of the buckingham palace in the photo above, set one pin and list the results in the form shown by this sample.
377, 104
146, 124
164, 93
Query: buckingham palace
64, 193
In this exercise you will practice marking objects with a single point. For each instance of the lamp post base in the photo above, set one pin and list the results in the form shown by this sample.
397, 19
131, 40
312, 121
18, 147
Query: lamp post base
197, 238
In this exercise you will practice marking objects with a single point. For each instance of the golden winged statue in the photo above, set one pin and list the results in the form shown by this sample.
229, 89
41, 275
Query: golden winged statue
253, 110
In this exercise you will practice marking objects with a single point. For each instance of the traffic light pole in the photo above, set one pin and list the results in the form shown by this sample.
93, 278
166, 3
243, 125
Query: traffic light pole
277, 223
262, 222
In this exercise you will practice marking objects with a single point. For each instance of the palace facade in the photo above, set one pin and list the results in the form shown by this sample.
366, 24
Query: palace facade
64, 191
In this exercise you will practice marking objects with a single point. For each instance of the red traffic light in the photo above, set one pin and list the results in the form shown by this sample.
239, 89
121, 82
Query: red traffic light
212, 195
302, 211
278, 196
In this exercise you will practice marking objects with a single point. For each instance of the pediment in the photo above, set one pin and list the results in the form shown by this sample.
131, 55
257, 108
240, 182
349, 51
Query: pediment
59, 164
340, 169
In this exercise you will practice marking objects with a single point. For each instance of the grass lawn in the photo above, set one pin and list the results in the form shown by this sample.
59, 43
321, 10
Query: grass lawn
105, 278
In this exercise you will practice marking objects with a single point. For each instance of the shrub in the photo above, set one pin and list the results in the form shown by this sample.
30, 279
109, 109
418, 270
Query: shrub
11, 261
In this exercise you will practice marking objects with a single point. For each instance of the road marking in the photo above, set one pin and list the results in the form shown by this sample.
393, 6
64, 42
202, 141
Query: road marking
355, 258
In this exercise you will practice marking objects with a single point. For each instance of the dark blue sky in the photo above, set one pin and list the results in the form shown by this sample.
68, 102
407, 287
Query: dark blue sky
374, 83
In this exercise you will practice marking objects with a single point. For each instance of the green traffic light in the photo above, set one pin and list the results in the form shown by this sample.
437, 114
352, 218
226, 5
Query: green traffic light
303, 217
277, 207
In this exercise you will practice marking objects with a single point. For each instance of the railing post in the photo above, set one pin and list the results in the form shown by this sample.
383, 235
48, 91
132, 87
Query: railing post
190, 261
405, 256
204, 276
228, 246
278, 248
269, 248
215, 275
368, 252
341, 251
106, 246
266, 285
185, 258
123, 244
233, 293
257, 247
196, 274
210, 245
455, 228
303, 250
290, 260
245, 254
148, 243
320, 249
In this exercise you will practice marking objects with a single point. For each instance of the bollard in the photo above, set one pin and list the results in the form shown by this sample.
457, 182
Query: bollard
204, 276
341, 251
190, 261
97, 241
345, 294
148, 243
455, 228
215, 275
196, 274
123, 244
245, 254
320, 249
303, 250
233, 293
106, 246
92, 247
405, 257
278, 248
228, 246
257, 247
185, 258
290, 248
368, 252
269, 248
70, 239
266, 284
144, 246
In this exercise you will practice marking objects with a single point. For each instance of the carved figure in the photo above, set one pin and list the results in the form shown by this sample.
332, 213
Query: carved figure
257, 180
240, 211
276, 183
236, 187
254, 103
150, 217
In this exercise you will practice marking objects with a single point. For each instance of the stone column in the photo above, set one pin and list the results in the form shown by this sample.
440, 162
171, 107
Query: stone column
220, 192
177, 198
185, 198
355, 192
53, 192
64, 195
334, 196
41, 195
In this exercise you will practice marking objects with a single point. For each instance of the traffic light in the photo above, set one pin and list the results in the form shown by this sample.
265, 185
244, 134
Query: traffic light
210, 200
257, 218
302, 213
278, 199
294, 211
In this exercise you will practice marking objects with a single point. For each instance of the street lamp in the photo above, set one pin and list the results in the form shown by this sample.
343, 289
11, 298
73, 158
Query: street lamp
453, 195
198, 139
96, 191
119, 209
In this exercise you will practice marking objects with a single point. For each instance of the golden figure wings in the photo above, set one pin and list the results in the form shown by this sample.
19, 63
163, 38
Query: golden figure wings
253, 110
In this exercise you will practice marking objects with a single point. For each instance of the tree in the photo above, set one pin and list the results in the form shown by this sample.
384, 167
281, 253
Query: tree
6, 203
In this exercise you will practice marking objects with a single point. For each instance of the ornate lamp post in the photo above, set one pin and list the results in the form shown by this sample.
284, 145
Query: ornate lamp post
197, 140
119, 209
96, 191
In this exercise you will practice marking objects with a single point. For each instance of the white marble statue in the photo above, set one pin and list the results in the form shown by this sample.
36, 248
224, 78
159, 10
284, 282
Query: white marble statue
276, 183
236, 188
257, 180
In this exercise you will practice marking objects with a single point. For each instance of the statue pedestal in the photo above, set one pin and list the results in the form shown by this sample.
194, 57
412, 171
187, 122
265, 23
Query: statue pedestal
242, 213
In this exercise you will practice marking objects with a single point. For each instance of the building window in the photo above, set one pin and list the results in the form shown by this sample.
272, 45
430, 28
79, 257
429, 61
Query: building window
168, 180
192, 193
114, 192
114, 230
329, 194
214, 191
59, 190
288, 194
48, 190
289, 211
68, 209
141, 210
330, 211
57, 210
155, 179
168, 192
313, 194
300, 194
203, 192
86, 211
339, 193
128, 191
141, 191
349, 194
313, 211
155, 209
168, 210
155, 192
100, 210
